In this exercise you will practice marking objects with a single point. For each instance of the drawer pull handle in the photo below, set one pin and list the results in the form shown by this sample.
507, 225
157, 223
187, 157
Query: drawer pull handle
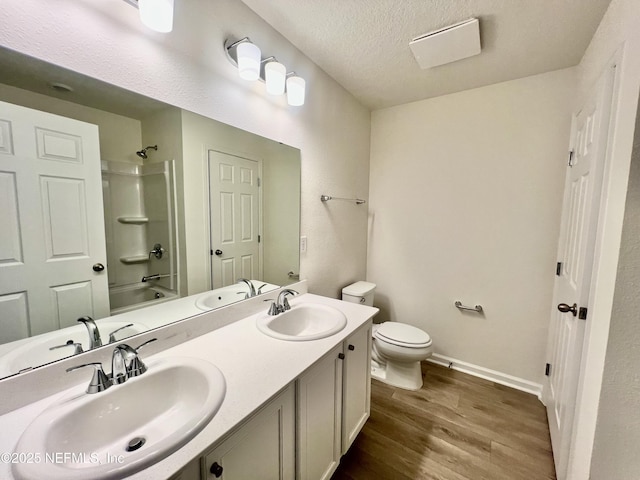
216, 470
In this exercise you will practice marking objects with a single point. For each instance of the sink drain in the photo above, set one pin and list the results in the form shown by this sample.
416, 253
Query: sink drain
135, 443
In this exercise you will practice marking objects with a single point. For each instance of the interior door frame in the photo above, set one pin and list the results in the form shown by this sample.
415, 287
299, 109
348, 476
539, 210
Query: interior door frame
207, 183
601, 94
582, 431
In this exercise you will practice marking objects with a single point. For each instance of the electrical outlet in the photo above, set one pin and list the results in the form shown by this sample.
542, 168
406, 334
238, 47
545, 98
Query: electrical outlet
303, 244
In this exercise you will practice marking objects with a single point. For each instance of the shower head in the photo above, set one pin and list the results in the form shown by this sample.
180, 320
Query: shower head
143, 153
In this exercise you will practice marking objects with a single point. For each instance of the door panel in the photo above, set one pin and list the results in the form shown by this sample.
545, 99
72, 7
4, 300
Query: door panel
234, 197
576, 250
53, 226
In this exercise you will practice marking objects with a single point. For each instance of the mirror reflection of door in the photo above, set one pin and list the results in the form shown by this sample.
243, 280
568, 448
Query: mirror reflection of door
52, 240
234, 197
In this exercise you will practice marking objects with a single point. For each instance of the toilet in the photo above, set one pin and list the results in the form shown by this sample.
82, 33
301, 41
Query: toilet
397, 348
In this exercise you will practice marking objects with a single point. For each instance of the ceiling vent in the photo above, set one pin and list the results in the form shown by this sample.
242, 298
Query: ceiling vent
447, 44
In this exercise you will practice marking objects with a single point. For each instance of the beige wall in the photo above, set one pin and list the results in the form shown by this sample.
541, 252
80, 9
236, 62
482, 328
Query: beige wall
466, 192
188, 68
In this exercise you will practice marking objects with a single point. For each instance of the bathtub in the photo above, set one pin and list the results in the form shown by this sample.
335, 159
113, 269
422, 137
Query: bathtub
131, 297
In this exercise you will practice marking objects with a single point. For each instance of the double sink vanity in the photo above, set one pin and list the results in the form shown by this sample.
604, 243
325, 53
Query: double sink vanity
244, 391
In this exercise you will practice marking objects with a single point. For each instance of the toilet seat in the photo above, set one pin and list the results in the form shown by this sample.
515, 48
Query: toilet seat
402, 335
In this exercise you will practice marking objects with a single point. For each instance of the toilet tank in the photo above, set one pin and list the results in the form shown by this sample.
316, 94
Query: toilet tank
359, 292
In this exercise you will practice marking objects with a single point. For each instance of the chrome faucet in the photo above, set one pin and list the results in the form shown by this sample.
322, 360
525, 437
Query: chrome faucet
252, 289
157, 251
125, 364
282, 304
92, 329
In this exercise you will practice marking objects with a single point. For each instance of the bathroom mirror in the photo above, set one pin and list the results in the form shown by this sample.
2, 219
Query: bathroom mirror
175, 205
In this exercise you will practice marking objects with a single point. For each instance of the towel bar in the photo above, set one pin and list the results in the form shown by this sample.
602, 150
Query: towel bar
477, 308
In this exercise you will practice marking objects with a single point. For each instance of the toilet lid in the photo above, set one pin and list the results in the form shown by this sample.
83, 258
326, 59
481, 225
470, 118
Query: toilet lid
402, 335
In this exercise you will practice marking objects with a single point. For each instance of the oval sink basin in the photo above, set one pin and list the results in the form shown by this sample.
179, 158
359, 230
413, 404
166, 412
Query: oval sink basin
229, 294
34, 351
128, 427
303, 322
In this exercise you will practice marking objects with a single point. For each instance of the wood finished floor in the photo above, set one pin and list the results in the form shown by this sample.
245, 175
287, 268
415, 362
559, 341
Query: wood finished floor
457, 427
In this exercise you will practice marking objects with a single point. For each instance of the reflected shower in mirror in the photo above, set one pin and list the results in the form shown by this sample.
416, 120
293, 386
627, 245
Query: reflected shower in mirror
128, 210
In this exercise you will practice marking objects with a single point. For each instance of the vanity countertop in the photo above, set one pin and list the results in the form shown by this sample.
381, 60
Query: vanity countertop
256, 367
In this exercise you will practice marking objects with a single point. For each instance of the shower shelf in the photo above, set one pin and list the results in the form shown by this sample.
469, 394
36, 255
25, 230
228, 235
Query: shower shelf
134, 259
133, 220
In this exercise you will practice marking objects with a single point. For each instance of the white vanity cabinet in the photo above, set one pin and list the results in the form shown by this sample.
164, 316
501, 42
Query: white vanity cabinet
319, 419
356, 395
263, 447
333, 404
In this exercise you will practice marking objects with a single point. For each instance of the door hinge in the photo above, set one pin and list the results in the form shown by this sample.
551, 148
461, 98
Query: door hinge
547, 369
582, 313
558, 268
571, 154
259, 182
259, 238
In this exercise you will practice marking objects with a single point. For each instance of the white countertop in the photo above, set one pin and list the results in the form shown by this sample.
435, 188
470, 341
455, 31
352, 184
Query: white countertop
256, 367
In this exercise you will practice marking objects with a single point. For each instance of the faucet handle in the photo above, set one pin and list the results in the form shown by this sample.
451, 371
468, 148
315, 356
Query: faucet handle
70, 343
99, 382
259, 291
137, 366
112, 335
273, 308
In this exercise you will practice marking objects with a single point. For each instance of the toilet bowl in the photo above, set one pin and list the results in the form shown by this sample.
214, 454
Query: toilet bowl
397, 348
396, 354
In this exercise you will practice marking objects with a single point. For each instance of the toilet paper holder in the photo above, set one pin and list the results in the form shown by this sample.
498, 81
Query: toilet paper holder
460, 306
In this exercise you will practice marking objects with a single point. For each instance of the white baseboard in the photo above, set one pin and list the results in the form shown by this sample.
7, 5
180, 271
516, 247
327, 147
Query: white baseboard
487, 374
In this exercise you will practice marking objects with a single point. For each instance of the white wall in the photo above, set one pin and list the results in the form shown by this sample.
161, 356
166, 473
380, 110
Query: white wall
188, 68
466, 192
618, 429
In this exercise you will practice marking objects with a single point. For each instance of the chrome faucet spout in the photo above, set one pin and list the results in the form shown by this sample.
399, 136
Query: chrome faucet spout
252, 289
119, 364
92, 329
281, 304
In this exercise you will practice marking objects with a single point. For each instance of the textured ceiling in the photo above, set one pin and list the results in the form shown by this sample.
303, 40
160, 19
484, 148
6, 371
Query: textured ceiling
363, 44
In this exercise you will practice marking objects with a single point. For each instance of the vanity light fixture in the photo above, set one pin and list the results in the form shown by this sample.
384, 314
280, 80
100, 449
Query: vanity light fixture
296, 87
246, 56
275, 75
155, 14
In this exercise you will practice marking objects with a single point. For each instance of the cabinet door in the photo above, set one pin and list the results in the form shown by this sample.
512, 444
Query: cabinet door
319, 417
263, 448
357, 384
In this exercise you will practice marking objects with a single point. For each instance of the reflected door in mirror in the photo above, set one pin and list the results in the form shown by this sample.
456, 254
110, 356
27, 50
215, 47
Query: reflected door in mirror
50, 241
235, 218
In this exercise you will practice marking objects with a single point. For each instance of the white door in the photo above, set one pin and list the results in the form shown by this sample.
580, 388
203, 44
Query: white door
234, 197
575, 253
52, 223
